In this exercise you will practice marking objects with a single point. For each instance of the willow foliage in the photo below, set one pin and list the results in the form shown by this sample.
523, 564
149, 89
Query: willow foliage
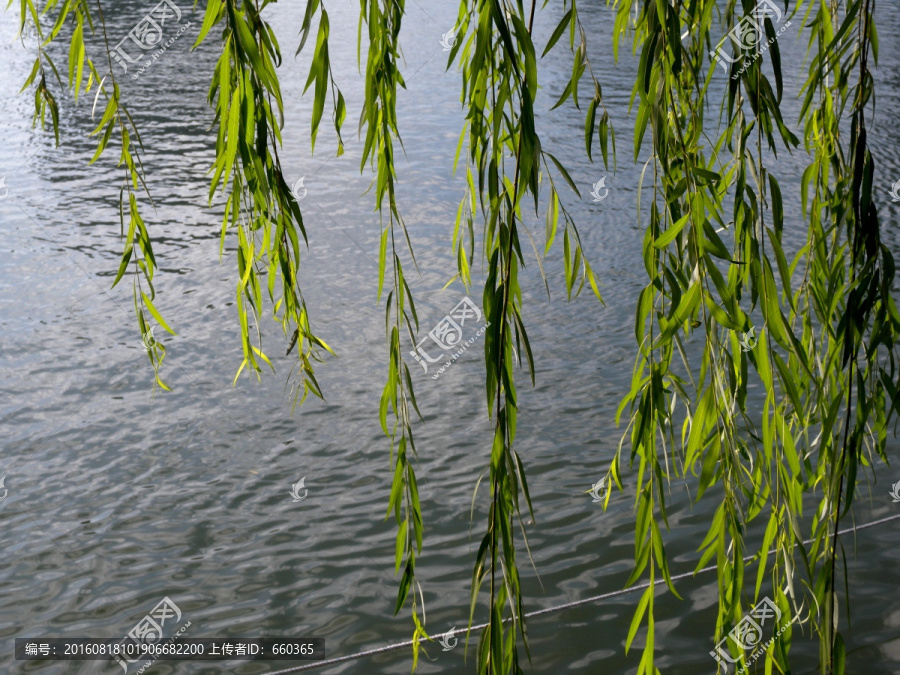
115, 119
823, 321
826, 344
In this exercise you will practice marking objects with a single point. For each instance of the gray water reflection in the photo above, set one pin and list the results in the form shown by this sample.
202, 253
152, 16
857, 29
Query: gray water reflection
117, 498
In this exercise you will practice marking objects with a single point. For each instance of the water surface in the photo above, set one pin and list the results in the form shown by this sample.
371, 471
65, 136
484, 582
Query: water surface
119, 497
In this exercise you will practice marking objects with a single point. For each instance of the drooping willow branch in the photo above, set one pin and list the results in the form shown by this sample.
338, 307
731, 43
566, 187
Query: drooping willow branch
766, 461
846, 253
504, 160
383, 78
259, 206
137, 247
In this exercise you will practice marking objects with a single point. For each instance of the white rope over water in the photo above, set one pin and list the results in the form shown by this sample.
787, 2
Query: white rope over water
548, 610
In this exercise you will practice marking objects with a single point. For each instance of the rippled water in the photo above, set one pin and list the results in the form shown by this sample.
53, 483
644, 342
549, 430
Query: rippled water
118, 497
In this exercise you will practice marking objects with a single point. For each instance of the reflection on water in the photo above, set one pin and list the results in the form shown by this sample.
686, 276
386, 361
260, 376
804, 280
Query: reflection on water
118, 498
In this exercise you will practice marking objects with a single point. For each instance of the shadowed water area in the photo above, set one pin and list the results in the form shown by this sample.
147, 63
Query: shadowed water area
119, 496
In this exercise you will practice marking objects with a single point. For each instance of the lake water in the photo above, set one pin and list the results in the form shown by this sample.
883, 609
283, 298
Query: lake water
119, 497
